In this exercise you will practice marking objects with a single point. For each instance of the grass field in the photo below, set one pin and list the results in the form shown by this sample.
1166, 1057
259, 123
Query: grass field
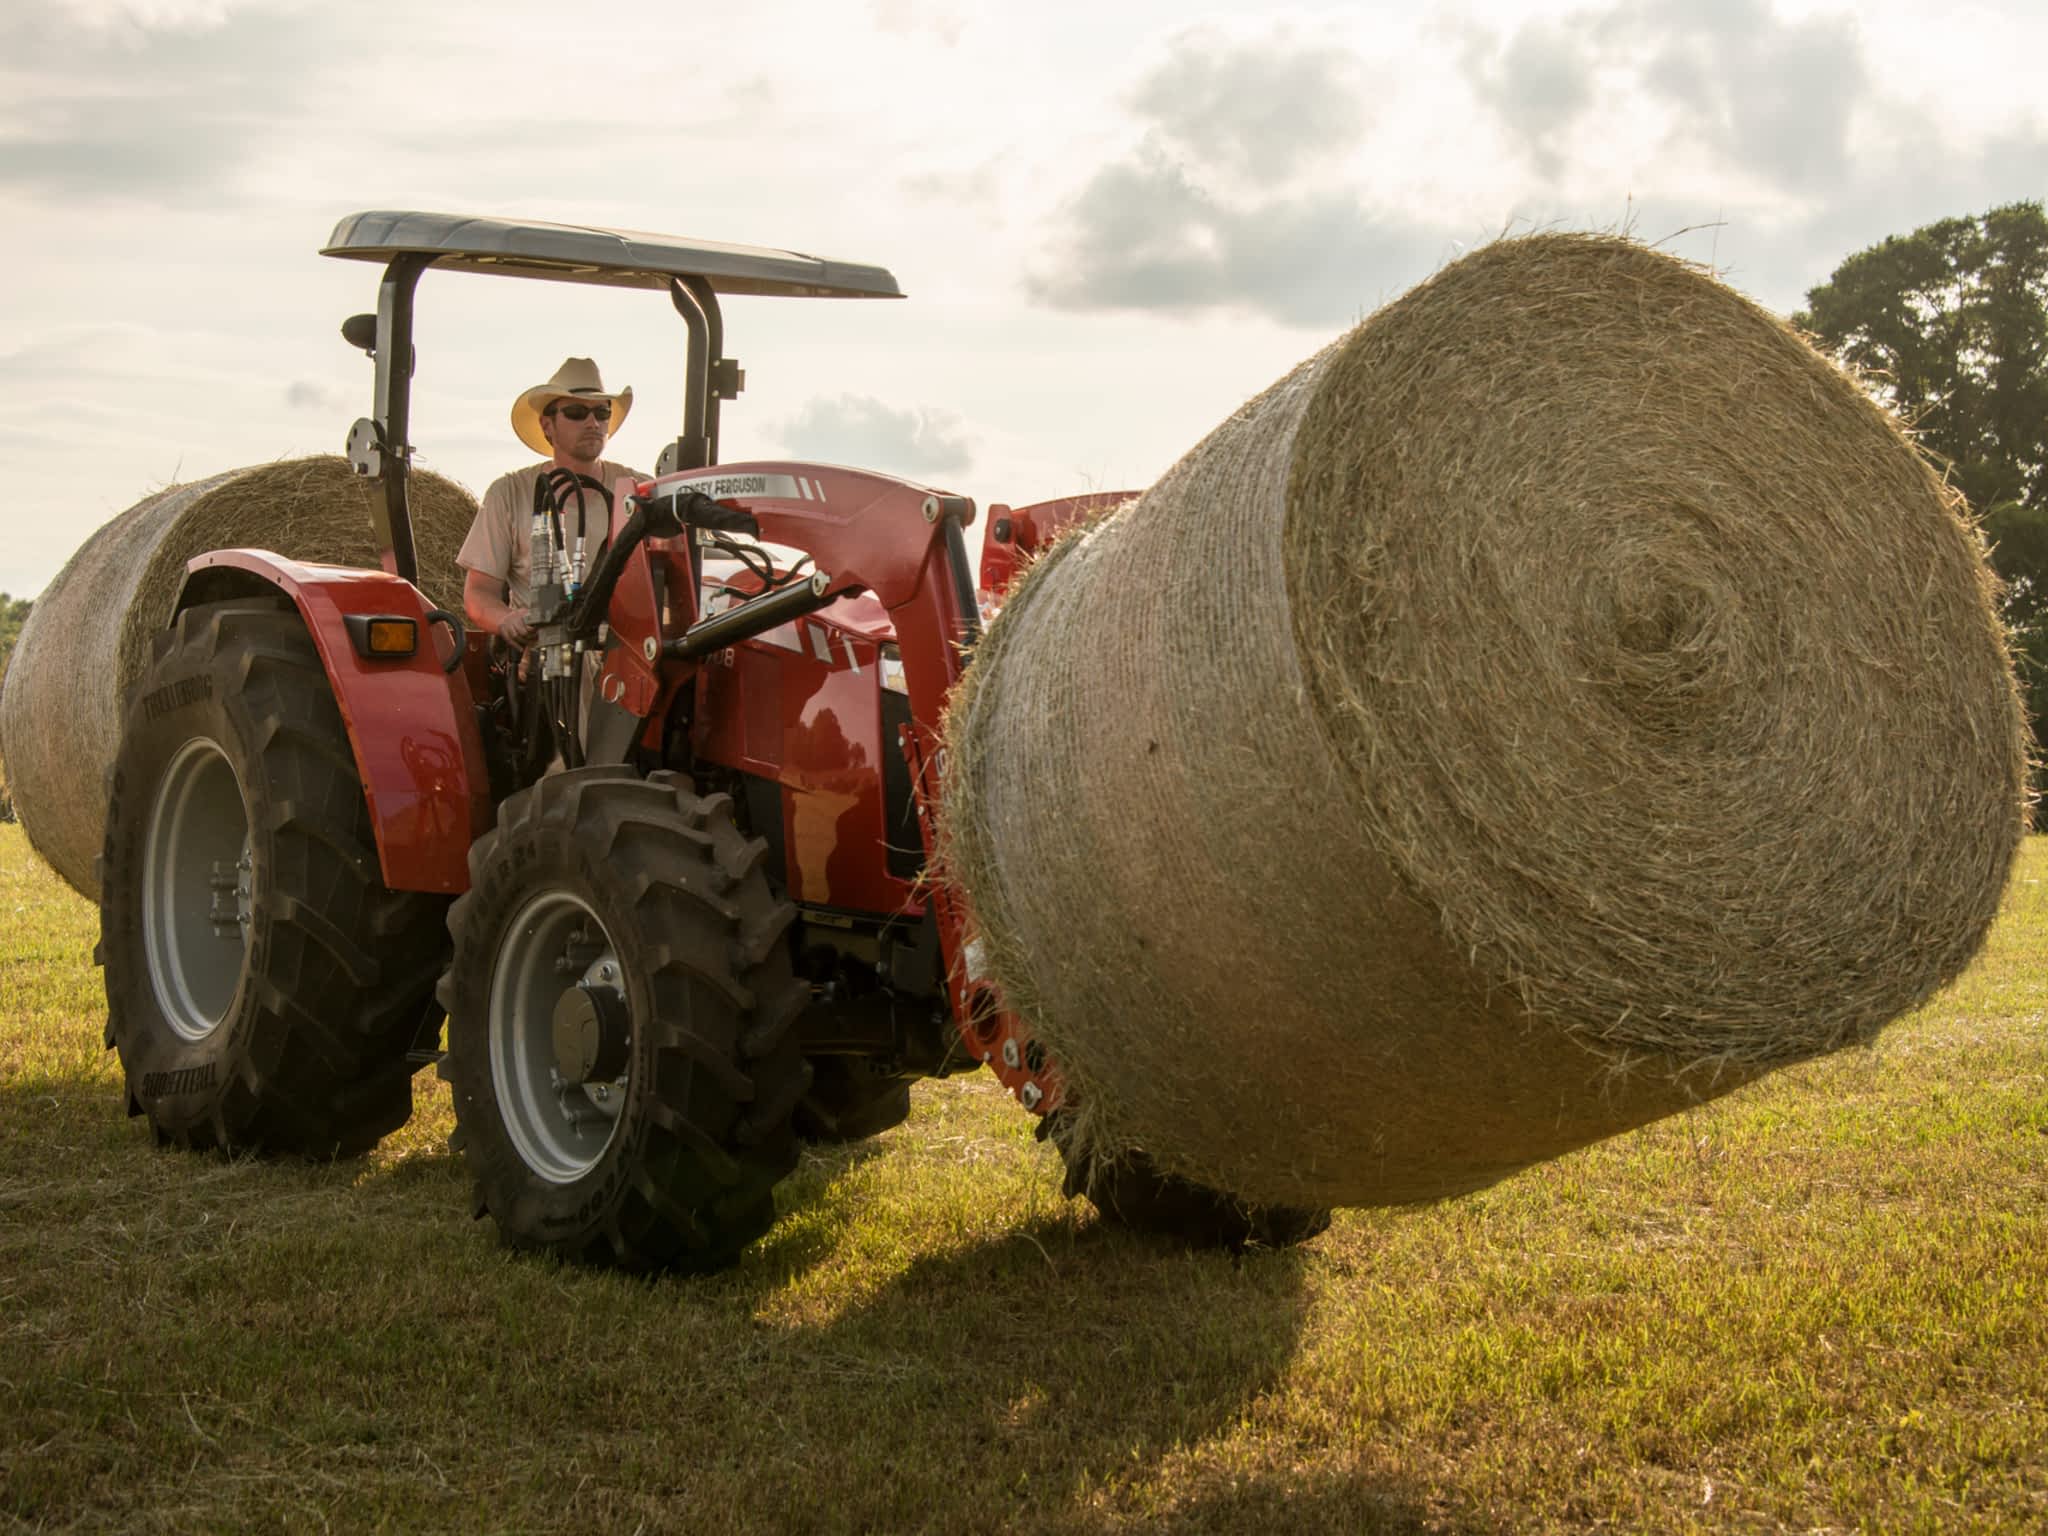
1818, 1305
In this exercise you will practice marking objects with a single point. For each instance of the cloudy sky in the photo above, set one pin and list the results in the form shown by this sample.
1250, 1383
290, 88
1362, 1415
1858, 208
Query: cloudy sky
1114, 221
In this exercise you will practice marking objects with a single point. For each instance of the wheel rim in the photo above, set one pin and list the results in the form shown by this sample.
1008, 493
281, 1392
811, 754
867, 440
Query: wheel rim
559, 1129
196, 891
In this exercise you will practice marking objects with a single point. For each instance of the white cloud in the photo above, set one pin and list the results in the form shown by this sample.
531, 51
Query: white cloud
156, 101
1754, 94
1258, 109
1301, 173
128, 17
306, 395
1142, 235
906, 18
1234, 196
861, 430
1776, 135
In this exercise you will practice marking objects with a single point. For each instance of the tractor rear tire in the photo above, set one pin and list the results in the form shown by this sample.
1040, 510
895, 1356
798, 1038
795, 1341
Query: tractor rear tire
1132, 1192
263, 984
636, 910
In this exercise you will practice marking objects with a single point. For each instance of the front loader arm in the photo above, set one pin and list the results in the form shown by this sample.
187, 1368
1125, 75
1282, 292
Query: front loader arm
903, 544
868, 533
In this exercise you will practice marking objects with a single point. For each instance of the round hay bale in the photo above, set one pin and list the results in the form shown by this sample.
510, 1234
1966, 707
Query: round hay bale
1558, 702
88, 636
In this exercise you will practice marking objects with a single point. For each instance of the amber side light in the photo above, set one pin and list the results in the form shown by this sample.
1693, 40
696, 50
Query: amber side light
382, 637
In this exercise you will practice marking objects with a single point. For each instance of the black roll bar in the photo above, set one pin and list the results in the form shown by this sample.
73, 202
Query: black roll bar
708, 376
378, 446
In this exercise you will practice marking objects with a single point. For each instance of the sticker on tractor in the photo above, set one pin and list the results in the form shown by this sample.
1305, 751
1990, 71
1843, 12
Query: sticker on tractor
726, 487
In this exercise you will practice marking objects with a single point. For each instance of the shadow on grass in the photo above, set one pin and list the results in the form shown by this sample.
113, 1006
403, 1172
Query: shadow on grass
1064, 1374
957, 1365
66, 1089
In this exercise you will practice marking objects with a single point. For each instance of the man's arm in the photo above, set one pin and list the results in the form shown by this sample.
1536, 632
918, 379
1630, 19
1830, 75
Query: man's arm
483, 600
486, 558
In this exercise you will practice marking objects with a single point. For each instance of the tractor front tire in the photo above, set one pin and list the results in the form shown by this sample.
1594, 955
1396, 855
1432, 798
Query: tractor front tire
1133, 1192
263, 984
620, 1007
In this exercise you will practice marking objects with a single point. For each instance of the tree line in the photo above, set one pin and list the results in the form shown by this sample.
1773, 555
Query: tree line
13, 614
1950, 326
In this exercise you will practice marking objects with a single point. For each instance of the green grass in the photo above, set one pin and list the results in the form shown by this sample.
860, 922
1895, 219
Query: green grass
1816, 1305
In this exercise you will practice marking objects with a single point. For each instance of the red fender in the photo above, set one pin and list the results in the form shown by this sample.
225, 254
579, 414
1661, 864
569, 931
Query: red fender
412, 726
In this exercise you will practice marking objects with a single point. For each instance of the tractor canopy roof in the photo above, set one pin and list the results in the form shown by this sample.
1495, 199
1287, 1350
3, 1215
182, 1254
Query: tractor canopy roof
618, 258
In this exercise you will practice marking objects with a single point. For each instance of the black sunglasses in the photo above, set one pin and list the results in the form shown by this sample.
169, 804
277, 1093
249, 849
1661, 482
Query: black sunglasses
575, 410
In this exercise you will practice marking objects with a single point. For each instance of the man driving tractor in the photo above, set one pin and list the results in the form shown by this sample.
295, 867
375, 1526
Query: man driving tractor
569, 418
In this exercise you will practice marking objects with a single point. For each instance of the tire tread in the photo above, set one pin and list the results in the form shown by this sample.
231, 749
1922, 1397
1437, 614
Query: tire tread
326, 1004
690, 1185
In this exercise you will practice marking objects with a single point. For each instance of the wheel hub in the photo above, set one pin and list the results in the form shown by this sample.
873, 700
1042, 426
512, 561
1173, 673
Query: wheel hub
229, 912
197, 888
592, 1030
561, 1036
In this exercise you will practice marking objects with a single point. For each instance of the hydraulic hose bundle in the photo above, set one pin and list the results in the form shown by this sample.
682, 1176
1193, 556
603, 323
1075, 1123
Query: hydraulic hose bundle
557, 581
571, 592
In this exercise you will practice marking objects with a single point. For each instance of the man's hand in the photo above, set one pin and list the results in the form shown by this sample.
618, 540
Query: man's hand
483, 599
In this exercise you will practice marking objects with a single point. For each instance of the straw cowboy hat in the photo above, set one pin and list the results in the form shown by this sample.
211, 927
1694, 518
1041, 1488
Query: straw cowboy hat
576, 379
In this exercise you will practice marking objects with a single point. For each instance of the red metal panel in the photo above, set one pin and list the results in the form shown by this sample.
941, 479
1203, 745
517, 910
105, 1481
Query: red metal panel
1030, 530
630, 677
717, 723
833, 767
758, 672
884, 537
412, 725
869, 531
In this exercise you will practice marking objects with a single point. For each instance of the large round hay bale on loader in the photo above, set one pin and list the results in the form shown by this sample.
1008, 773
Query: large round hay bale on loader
88, 636
1558, 702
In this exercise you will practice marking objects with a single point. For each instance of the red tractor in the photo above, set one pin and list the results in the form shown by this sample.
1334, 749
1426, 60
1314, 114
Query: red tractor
665, 882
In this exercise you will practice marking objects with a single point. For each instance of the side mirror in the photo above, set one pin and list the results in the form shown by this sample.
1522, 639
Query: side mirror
360, 331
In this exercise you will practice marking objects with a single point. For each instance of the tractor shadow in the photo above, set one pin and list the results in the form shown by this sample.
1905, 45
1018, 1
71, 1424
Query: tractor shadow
1067, 1373
58, 1081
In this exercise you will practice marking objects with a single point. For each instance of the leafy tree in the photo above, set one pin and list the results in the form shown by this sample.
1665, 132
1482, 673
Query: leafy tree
1951, 323
13, 614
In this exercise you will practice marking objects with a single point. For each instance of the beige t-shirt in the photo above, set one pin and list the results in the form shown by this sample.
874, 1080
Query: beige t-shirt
500, 541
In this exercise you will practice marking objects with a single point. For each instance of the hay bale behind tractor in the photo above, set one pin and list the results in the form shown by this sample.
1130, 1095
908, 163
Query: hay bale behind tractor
1558, 702
88, 637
